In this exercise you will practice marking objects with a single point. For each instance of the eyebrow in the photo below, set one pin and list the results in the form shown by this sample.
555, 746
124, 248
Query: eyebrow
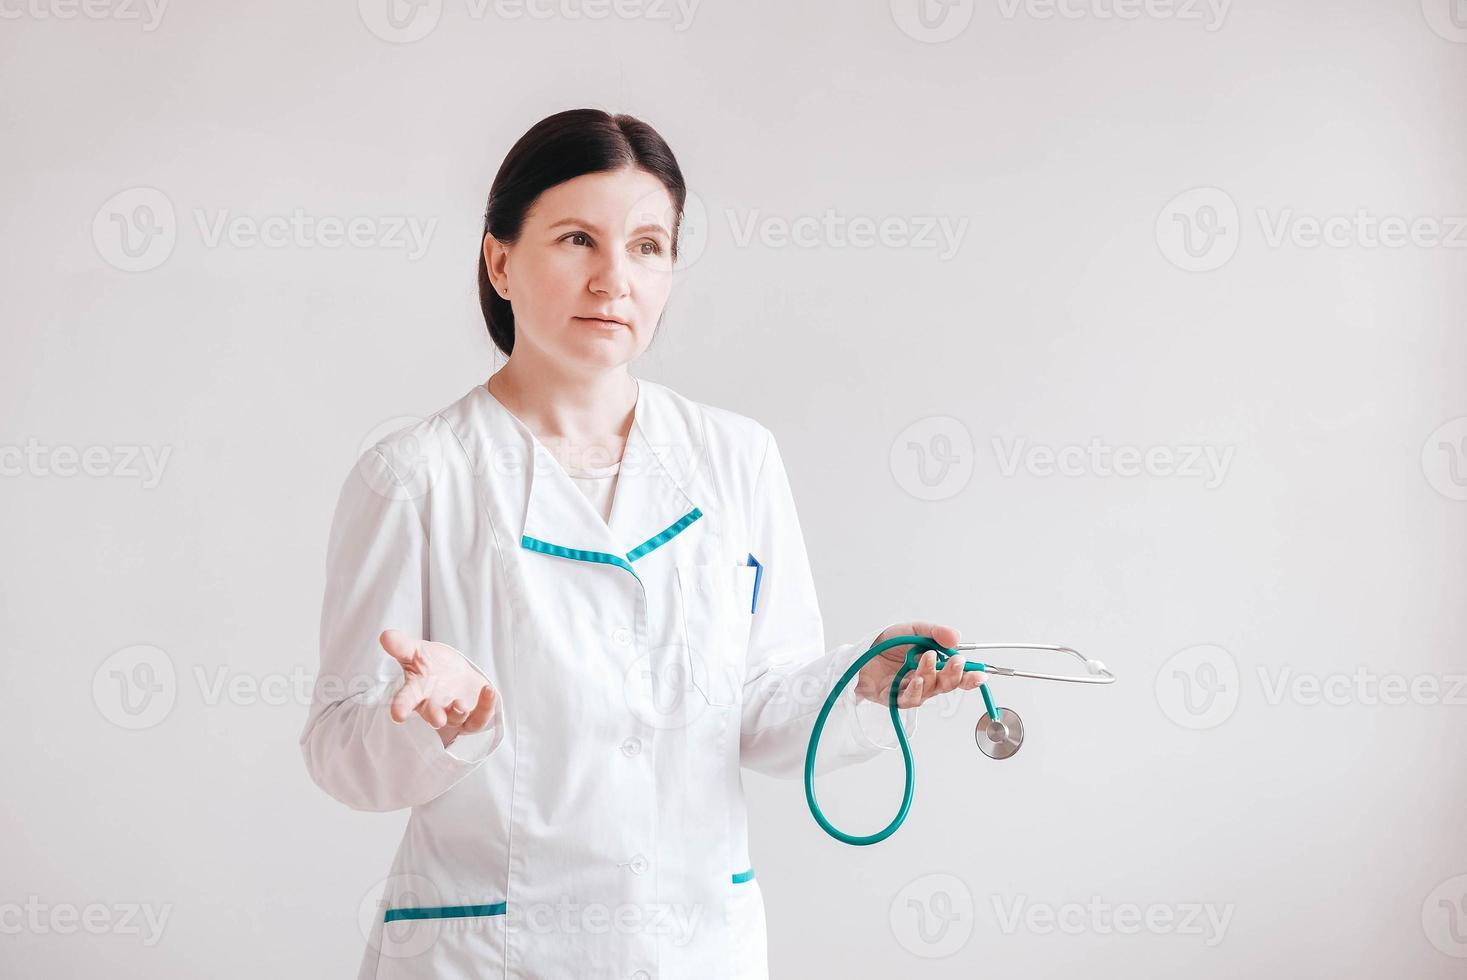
586, 224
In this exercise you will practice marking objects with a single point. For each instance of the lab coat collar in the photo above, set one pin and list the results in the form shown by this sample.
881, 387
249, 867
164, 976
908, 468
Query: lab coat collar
651, 503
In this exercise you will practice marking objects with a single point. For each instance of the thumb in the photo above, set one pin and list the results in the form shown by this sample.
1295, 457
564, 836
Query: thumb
946, 635
402, 647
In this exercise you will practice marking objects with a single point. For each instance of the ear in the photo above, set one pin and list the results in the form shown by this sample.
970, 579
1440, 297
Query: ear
496, 256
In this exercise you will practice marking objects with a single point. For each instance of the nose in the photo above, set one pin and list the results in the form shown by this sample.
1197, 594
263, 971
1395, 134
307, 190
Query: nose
609, 277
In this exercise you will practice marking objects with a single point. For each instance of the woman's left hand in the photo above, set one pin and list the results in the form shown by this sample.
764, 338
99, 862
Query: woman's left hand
874, 681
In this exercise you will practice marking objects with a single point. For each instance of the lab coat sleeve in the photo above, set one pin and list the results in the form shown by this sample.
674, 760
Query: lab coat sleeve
789, 671
376, 568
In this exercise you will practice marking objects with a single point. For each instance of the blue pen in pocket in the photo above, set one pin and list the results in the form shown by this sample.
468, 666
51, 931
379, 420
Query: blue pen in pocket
758, 574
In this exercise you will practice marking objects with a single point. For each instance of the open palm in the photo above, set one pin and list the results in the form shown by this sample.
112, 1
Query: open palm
439, 684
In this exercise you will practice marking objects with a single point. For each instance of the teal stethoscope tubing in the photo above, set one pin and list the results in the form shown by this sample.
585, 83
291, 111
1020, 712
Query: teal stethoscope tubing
919, 645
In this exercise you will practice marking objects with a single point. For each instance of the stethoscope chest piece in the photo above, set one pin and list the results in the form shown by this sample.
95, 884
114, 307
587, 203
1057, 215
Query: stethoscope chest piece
1002, 738
1000, 731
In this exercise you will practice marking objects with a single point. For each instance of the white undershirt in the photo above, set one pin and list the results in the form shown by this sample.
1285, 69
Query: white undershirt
598, 483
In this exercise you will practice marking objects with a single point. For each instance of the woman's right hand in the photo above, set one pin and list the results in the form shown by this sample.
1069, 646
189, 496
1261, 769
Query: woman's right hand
439, 684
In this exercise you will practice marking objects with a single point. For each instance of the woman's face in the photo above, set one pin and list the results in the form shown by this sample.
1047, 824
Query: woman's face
599, 245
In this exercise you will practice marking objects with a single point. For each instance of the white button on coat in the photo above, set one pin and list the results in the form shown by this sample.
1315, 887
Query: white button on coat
466, 530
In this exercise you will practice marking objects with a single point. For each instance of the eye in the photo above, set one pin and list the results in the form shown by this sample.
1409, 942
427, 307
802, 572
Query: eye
656, 247
577, 234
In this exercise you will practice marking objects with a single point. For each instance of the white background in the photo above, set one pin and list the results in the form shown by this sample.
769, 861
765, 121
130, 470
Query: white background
1330, 835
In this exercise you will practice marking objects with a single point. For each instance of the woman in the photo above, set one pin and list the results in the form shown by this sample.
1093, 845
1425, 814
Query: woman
571, 605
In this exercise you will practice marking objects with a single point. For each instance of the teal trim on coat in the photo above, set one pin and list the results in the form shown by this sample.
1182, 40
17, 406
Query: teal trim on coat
444, 912
743, 876
672, 531
604, 558
545, 547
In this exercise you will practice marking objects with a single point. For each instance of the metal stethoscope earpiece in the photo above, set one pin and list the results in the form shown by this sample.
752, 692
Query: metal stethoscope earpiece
999, 733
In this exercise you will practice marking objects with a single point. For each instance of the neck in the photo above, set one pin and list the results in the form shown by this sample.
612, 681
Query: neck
583, 417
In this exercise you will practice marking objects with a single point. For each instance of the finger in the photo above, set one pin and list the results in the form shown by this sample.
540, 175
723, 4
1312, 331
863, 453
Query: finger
478, 718
403, 648
951, 675
940, 679
408, 697
433, 714
928, 671
932, 682
456, 711
962, 674
972, 678
911, 677
912, 696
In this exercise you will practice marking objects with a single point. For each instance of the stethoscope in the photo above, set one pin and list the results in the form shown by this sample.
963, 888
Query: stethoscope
999, 733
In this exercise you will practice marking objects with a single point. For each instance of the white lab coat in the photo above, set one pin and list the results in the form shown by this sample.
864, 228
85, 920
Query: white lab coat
597, 828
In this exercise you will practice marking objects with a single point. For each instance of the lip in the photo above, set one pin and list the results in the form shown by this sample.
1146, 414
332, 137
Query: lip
605, 321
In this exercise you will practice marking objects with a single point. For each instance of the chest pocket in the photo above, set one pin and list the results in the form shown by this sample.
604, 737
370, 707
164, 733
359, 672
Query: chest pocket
716, 603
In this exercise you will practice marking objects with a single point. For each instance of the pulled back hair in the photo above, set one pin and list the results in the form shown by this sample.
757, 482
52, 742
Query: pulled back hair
556, 149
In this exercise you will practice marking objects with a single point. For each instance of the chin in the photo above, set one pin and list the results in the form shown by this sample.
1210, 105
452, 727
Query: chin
604, 352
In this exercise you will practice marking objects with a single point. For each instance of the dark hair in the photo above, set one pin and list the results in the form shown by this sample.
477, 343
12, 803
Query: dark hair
556, 149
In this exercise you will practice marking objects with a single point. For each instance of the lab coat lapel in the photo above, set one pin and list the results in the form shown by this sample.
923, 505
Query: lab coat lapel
557, 514
649, 507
